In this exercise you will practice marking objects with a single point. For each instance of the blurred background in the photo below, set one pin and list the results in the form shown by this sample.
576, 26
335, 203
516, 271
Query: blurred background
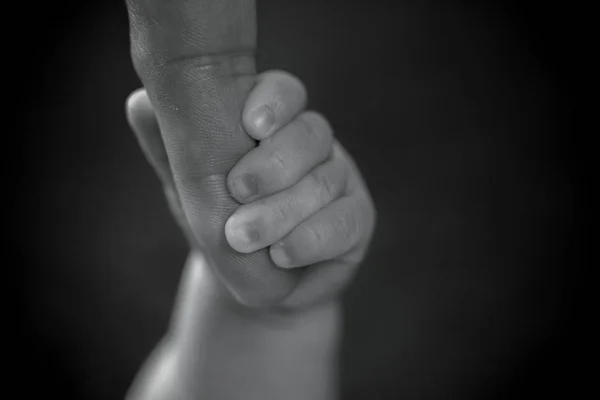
450, 108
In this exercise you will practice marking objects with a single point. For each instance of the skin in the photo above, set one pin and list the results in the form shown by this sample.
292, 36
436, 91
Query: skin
276, 213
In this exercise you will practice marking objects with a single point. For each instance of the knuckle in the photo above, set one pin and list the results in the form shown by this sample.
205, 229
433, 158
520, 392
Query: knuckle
314, 235
323, 187
315, 126
273, 107
348, 225
277, 107
278, 160
280, 169
307, 129
282, 210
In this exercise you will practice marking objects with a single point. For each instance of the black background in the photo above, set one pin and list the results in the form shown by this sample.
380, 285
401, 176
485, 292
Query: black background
453, 111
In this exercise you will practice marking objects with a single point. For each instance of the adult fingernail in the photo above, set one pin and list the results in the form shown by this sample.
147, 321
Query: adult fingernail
280, 256
245, 187
263, 119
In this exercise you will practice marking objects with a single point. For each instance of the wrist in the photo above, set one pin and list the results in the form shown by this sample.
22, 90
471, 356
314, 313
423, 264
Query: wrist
212, 332
207, 311
199, 280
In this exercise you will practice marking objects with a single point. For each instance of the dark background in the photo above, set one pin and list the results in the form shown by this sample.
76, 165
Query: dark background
453, 111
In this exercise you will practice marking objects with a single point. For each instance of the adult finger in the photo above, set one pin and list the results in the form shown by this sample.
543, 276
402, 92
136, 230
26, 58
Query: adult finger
196, 60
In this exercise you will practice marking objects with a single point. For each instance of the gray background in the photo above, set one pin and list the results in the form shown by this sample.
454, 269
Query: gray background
451, 110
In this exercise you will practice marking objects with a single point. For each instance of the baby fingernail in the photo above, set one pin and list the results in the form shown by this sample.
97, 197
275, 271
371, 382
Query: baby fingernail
245, 187
242, 237
263, 119
280, 256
